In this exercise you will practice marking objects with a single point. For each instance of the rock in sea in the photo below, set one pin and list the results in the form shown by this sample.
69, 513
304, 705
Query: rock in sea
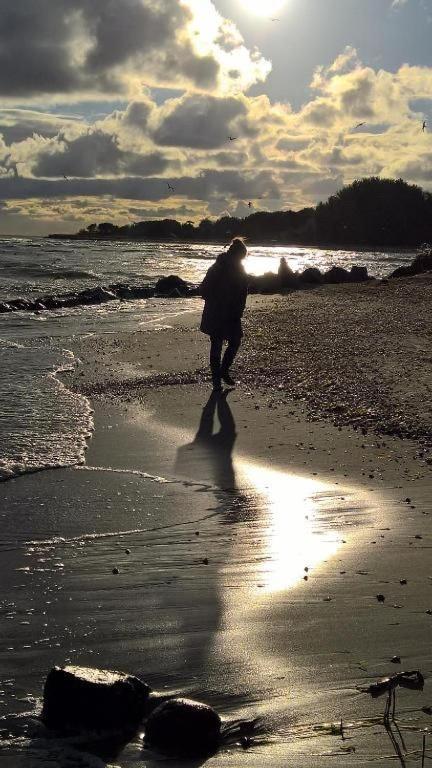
93, 699
171, 286
183, 727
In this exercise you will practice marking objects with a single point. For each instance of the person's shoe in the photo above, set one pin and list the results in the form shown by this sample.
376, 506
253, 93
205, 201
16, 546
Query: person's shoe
228, 379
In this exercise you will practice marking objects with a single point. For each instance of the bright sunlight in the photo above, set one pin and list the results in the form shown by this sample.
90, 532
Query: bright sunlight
267, 8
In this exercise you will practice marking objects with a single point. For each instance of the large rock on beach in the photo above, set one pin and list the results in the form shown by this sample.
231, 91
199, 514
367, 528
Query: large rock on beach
311, 276
184, 728
337, 275
171, 286
266, 283
80, 698
358, 274
422, 263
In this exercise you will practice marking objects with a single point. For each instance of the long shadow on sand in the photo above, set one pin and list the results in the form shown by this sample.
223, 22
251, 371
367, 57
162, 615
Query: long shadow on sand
210, 453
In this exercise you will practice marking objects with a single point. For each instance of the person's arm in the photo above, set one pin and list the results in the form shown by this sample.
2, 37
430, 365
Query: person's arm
208, 284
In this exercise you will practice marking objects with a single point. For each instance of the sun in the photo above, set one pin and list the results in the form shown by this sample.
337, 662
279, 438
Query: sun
266, 8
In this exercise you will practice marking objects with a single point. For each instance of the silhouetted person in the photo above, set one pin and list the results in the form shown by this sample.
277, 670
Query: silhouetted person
225, 291
285, 273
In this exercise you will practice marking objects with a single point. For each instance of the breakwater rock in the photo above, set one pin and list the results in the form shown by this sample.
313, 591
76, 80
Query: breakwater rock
422, 263
174, 286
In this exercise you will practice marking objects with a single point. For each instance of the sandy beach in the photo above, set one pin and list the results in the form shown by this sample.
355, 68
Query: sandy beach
252, 533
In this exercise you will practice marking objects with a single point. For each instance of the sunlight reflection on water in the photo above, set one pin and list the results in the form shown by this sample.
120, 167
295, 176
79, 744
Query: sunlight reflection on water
294, 541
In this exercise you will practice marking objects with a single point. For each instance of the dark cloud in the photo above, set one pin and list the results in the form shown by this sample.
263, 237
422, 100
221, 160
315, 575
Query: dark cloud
226, 184
202, 122
137, 114
357, 99
320, 113
91, 46
96, 153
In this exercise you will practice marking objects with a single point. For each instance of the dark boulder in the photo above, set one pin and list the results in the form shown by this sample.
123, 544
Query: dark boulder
337, 275
421, 263
358, 274
266, 283
93, 699
171, 286
311, 276
184, 728
4, 307
97, 295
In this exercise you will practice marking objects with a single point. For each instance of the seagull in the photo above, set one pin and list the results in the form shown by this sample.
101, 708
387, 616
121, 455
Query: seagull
65, 177
171, 189
424, 126
232, 138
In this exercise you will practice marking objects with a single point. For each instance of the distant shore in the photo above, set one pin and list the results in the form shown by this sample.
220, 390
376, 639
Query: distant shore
349, 246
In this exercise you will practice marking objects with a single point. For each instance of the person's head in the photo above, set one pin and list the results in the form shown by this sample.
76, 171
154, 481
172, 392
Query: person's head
237, 249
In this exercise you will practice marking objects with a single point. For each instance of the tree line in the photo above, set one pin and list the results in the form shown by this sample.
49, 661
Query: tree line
370, 211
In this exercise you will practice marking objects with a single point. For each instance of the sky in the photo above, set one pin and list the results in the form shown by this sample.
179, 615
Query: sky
123, 110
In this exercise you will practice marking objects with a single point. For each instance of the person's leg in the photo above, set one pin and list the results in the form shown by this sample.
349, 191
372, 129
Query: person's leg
216, 344
229, 356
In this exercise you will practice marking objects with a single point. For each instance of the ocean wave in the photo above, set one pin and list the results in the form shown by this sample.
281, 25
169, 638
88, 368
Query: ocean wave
43, 425
42, 270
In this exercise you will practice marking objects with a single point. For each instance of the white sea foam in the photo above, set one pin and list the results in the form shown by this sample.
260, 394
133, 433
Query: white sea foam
43, 425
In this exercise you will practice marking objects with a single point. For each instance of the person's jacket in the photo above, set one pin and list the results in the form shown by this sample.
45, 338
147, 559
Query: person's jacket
224, 289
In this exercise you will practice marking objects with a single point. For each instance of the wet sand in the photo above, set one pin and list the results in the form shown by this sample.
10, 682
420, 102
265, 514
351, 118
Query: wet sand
212, 510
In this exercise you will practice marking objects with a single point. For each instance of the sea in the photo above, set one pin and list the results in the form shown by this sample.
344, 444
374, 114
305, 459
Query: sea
43, 425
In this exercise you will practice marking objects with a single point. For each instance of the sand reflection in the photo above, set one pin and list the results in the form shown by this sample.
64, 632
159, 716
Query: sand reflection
294, 537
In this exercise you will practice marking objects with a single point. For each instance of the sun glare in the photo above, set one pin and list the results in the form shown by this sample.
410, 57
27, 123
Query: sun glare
268, 8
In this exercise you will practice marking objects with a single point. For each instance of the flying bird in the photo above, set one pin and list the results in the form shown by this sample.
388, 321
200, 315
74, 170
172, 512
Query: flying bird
65, 177
359, 125
424, 126
171, 189
232, 138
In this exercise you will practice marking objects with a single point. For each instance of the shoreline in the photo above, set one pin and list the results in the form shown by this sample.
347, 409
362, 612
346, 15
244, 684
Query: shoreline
247, 632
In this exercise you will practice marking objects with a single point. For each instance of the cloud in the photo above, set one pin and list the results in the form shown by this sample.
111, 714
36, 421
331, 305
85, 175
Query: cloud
281, 157
95, 154
100, 49
198, 121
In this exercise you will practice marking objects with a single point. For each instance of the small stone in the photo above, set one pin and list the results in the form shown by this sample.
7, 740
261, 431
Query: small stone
115, 571
396, 660
127, 551
403, 582
205, 561
380, 598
